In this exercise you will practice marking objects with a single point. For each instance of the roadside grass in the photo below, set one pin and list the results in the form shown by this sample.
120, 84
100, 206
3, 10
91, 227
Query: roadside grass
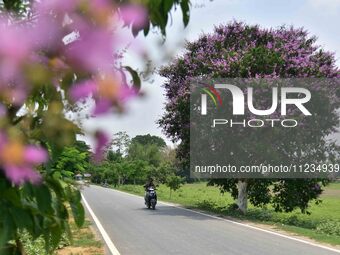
84, 243
323, 224
84, 236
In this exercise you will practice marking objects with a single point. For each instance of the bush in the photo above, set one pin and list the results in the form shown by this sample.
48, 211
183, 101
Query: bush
37, 246
329, 227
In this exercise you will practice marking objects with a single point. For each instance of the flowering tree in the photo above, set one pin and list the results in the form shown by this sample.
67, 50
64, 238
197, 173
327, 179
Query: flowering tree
54, 55
241, 51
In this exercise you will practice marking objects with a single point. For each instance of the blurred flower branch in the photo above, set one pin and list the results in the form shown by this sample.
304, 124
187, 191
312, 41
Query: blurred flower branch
53, 55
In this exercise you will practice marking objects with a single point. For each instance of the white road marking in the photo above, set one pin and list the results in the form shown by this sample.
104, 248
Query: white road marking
102, 231
242, 224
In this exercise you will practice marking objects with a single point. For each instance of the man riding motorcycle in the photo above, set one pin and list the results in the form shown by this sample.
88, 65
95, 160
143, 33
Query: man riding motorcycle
150, 187
148, 184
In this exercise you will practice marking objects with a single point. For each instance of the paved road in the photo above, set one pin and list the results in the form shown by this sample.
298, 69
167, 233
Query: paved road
169, 230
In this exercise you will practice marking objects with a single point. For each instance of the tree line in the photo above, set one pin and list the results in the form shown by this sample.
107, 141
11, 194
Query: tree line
126, 161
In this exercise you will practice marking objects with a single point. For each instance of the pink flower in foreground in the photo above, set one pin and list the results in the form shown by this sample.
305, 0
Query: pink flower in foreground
46, 34
18, 161
82, 90
93, 51
58, 6
134, 14
102, 139
20, 174
126, 93
35, 155
15, 48
106, 92
102, 106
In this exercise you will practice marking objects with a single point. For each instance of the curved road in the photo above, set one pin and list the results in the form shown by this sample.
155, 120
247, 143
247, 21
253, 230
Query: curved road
135, 230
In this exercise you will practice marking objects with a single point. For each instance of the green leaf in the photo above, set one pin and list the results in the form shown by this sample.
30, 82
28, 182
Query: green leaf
56, 233
12, 195
146, 29
54, 183
7, 229
185, 11
78, 213
77, 207
167, 4
37, 230
21, 217
44, 199
135, 77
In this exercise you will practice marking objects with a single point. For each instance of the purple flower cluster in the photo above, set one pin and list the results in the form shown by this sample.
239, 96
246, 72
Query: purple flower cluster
238, 50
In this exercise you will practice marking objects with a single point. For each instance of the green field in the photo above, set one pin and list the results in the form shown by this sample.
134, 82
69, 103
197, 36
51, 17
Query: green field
323, 224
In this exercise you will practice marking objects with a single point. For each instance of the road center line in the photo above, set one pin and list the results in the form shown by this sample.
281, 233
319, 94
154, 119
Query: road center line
101, 229
241, 224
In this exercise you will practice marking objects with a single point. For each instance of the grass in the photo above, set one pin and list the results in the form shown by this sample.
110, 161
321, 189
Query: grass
323, 224
84, 237
84, 243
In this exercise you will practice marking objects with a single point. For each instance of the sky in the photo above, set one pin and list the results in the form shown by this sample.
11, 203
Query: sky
319, 17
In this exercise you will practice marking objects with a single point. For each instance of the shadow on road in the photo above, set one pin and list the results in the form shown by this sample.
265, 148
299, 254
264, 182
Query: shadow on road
164, 210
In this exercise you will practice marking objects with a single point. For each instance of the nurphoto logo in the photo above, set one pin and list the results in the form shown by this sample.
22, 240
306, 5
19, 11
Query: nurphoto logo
238, 104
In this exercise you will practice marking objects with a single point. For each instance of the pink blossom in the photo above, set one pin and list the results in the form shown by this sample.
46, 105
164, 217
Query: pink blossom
126, 93
134, 14
102, 106
82, 90
18, 161
93, 51
102, 140
35, 155
46, 33
15, 47
20, 174
58, 6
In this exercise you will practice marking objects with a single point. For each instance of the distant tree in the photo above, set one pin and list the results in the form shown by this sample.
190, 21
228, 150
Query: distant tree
238, 50
120, 141
149, 153
84, 148
114, 156
148, 140
174, 182
72, 161
104, 171
161, 172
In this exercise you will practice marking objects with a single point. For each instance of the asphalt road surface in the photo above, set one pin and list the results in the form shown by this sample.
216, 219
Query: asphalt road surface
135, 230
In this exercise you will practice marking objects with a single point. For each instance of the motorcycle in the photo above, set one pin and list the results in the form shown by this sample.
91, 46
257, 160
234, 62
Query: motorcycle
151, 198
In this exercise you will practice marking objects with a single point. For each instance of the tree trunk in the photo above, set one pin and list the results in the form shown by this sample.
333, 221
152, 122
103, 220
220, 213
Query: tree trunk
242, 201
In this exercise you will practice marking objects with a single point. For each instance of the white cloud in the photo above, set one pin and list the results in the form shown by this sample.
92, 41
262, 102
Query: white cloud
330, 6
